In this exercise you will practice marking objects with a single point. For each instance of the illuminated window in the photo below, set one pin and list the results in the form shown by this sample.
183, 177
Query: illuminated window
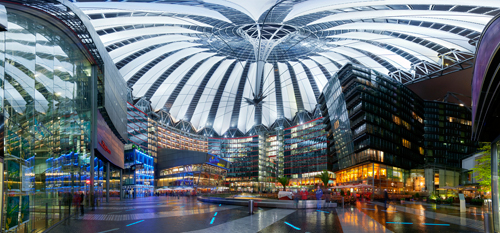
396, 120
406, 125
406, 143
421, 150
416, 117
336, 125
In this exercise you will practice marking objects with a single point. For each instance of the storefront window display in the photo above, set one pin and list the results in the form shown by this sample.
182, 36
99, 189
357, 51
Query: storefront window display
195, 175
139, 172
379, 175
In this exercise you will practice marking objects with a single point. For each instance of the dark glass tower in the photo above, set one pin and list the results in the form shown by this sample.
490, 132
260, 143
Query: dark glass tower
375, 126
448, 129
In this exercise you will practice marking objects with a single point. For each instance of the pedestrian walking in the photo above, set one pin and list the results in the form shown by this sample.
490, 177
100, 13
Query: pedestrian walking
296, 197
319, 194
386, 197
82, 203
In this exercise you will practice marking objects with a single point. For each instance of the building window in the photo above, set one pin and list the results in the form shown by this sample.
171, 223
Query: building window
396, 120
421, 150
406, 143
416, 117
406, 125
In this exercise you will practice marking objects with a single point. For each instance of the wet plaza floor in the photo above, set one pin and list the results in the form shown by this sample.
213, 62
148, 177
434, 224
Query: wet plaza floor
186, 214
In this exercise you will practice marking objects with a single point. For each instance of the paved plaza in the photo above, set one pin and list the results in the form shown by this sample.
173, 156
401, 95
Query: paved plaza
186, 214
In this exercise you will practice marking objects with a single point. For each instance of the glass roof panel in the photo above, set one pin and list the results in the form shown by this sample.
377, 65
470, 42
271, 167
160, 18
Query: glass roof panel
189, 58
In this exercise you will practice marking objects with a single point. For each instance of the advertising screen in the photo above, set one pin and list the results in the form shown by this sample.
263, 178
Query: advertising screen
108, 144
215, 160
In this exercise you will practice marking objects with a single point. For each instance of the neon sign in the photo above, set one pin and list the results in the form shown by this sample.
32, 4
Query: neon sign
103, 145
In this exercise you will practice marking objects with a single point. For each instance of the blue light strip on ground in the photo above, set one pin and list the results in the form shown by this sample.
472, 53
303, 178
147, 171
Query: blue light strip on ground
220, 204
323, 211
212, 220
109, 230
399, 222
436, 224
135, 223
215, 214
296, 228
129, 209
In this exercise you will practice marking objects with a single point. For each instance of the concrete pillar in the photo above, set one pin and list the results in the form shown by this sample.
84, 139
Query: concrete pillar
107, 182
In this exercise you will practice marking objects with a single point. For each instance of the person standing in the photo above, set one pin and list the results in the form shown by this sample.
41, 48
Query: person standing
304, 194
82, 203
296, 198
319, 194
386, 197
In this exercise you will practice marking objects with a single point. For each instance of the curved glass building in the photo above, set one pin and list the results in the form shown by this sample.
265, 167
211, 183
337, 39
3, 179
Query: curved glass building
273, 88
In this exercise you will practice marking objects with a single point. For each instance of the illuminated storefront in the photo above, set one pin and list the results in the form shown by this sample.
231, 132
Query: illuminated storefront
379, 175
207, 173
139, 172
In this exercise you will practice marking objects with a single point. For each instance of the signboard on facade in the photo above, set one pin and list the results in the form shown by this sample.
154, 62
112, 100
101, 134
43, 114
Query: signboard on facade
215, 160
108, 144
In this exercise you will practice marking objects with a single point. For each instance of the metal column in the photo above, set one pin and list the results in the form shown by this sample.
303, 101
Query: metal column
494, 185
107, 183
121, 187
93, 91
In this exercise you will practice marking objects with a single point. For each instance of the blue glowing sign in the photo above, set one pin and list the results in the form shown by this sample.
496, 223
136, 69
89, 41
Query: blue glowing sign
214, 160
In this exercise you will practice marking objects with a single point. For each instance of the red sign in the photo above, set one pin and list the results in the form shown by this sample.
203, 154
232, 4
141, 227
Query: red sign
87, 181
103, 145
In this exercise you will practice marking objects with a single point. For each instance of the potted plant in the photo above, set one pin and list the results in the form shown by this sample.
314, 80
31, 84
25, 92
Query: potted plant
284, 181
424, 199
417, 196
402, 200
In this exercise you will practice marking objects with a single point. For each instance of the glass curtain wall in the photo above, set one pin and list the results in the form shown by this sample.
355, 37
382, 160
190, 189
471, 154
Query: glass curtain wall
46, 103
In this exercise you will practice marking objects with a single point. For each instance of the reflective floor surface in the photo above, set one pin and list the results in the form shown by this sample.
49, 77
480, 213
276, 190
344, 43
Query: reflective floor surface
186, 214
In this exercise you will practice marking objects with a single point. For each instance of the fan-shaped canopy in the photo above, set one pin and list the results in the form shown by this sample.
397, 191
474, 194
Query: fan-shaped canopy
228, 64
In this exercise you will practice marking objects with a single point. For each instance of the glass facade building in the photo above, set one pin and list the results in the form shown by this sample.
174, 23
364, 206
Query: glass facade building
46, 101
204, 177
51, 117
137, 127
173, 138
139, 172
373, 119
243, 154
305, 151
448, 129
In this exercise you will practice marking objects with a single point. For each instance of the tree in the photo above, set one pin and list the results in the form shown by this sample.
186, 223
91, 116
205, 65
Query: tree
324, 177
284, 181
482, 169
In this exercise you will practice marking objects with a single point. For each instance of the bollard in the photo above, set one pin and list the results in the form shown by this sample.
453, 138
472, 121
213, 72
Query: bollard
342, 202
250, 207
46, 215
60, 213
488, 223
